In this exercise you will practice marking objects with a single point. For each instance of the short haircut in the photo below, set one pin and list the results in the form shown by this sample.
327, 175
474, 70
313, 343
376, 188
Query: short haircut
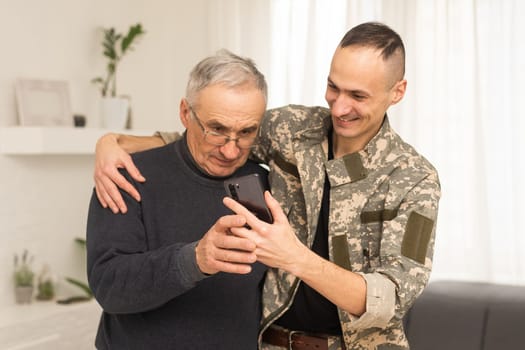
224, 68
378, 36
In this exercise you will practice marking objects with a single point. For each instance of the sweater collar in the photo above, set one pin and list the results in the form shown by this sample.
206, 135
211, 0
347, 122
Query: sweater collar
187, 157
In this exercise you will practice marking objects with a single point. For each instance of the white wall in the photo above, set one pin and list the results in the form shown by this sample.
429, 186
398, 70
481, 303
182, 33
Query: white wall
45, 198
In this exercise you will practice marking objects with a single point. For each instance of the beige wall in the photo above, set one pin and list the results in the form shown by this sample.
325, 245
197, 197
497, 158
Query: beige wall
45, 198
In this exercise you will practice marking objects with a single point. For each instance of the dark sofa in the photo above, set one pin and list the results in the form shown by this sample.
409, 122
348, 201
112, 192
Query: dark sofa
452, 315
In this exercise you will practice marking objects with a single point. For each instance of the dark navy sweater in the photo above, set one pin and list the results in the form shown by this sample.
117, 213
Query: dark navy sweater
142, 268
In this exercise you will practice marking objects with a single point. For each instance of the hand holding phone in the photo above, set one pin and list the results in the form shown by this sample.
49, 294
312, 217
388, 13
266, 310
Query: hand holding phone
248, 191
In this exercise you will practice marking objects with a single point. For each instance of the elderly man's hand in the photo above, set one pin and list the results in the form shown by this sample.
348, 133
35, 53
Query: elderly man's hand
219, 250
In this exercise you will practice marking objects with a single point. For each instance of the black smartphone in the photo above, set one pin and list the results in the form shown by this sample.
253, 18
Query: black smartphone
248, 190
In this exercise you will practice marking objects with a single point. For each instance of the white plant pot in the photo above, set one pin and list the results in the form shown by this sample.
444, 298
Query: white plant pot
114, 112
23, 295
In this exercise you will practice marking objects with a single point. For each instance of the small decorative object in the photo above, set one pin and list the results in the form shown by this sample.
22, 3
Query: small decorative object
79, 120
45, 284
115, 109
114, 112
24, 278
43, 102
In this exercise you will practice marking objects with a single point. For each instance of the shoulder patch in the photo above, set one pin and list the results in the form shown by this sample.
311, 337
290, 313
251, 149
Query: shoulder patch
417, 237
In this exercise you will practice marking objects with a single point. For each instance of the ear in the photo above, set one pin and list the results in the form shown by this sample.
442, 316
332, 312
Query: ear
184, 112
398, 91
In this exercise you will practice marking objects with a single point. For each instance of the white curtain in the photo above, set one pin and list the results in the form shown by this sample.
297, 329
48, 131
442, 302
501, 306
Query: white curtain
466, 74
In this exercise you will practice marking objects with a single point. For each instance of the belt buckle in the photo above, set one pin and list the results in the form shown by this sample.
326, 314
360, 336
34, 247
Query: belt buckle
290, 336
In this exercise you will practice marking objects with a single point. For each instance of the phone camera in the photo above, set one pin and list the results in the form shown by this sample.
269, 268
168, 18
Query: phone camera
233, 191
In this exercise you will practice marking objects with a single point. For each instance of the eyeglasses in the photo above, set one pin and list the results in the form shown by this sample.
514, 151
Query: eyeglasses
218, 139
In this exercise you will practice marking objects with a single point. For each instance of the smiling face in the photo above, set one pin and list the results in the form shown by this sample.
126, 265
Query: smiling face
361, 86
235, 112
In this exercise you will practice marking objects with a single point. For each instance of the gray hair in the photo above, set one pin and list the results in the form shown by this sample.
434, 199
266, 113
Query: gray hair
224, 68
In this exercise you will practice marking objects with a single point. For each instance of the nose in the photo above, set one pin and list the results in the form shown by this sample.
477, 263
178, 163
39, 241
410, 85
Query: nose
341, 105
230, 150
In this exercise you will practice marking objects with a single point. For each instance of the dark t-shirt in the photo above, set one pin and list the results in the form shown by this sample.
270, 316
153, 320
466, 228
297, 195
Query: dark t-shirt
310, 311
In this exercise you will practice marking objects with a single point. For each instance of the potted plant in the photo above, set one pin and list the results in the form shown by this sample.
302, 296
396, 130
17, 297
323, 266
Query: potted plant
45, 284
87, 293
115, 109
24, 278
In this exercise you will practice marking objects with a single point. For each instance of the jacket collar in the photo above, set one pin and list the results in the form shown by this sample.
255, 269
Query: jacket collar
350, 168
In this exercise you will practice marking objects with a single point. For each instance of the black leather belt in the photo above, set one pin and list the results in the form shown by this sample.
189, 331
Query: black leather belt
296, 340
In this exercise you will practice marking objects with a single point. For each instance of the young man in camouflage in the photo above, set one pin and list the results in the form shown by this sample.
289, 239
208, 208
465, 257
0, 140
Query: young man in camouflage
355, 207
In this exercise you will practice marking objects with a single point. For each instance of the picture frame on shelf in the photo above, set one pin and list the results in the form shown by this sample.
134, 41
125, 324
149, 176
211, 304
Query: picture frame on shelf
43, 102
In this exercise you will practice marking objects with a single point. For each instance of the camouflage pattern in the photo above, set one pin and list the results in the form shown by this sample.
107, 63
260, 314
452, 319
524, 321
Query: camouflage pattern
167, 136
374, 198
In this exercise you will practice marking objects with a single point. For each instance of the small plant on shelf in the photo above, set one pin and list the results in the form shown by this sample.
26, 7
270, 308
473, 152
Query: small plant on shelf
115, 46
24, 277
46, 284
24, 274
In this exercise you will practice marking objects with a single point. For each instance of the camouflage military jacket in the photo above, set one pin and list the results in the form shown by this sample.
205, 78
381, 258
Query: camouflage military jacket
383, 209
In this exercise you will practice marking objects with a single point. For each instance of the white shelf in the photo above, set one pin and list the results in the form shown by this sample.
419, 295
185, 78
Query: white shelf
22, 313
45, 325
18, 140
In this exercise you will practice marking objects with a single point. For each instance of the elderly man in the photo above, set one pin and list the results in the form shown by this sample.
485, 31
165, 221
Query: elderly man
167, 273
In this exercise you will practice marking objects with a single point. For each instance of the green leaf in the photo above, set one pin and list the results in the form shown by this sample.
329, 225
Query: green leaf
97, 80
134, 32
72, 300
80, 285
110, 40
82, 241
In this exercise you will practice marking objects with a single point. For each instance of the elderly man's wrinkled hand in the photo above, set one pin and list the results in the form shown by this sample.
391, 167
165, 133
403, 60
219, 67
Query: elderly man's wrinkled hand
219, 250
